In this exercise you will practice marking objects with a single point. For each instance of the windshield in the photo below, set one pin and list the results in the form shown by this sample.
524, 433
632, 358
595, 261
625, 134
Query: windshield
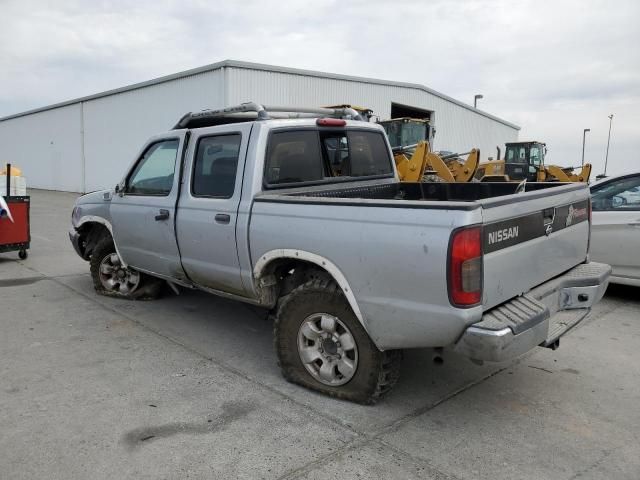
516, 154
403, 134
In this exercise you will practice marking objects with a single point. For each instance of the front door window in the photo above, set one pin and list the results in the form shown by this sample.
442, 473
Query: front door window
153, 175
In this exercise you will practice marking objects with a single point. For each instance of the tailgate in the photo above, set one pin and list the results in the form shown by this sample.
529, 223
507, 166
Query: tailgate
531, 237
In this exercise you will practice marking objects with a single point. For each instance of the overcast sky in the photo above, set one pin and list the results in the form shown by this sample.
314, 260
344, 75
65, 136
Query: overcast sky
552, 67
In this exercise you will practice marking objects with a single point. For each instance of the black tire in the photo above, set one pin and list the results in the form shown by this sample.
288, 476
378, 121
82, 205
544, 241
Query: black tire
147, 288
376, 372
22, 254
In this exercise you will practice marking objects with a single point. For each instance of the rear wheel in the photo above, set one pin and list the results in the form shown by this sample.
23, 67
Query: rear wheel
111, 277
322, 345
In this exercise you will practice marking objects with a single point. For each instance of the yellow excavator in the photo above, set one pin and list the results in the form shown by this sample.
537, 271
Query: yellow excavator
525, 160
410, 141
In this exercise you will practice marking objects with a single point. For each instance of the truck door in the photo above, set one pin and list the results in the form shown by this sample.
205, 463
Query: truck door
142, 212
208, 207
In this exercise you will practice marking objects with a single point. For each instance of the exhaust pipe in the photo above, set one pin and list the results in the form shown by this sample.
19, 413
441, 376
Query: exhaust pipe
437, 356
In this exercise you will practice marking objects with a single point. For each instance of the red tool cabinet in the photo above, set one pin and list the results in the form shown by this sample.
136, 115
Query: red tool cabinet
15, 235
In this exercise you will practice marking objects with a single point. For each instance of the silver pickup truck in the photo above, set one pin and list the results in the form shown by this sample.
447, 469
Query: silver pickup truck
302, 212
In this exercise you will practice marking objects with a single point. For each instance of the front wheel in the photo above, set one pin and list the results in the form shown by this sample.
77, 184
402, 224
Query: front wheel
322, 345
112, 278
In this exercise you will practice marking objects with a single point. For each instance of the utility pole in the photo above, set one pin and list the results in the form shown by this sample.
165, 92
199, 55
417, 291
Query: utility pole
584, 134
475, 100
606, 157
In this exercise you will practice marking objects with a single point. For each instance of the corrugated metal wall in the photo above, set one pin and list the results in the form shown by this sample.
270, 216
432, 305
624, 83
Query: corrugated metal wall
47, 147
109, 131
115, 127
457, 128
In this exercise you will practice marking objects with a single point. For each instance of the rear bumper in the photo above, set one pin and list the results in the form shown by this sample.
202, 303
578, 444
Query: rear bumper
537, 318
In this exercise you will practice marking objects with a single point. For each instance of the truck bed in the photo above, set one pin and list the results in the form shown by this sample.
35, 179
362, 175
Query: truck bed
436, 191
422, 192
528, 238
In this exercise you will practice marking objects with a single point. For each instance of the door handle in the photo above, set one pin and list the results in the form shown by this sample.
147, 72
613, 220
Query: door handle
163, 215
223, 218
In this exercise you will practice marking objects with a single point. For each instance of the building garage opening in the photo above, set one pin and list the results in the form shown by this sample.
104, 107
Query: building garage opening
400, 111
409, 125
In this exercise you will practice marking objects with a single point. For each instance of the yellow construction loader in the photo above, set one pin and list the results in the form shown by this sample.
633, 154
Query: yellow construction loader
410, 141
419, 164
525, 160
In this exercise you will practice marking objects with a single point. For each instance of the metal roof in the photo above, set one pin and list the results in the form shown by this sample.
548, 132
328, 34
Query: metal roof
263, 67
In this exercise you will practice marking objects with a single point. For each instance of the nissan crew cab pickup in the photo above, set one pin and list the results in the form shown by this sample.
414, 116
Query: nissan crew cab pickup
301, 211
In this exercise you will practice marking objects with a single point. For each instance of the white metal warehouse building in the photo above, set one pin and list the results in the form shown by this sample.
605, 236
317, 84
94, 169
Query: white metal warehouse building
86, 144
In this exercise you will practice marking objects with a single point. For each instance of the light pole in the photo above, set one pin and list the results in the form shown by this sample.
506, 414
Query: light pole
606, 157
475, 100
584, 134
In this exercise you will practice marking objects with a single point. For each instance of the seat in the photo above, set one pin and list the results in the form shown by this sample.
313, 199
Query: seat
299, 168
359, 163
220, 181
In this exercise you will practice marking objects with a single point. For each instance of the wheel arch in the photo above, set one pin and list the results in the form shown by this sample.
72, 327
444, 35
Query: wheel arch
269, 262
92, 229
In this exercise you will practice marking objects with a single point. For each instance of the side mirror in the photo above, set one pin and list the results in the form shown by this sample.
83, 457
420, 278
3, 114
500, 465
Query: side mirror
117, 189
617, 202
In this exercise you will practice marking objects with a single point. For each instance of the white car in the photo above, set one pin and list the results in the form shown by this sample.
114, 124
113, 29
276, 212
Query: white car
615, 234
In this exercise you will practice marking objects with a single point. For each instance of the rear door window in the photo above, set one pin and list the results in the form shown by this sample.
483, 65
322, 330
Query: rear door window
215, 166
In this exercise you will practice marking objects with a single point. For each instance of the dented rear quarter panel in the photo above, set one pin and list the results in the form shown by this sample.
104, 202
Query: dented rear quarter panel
394, 260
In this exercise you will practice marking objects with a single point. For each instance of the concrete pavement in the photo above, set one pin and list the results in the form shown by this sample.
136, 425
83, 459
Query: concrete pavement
188, 387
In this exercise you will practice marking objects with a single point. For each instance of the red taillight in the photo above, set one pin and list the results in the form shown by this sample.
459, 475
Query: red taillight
331, 122
465, 267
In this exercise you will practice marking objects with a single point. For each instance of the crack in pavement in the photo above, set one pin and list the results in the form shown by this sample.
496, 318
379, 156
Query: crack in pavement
435, 471
354, 446
580, 473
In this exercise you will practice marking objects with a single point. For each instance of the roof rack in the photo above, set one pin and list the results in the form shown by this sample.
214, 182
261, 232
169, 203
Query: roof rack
250, 111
